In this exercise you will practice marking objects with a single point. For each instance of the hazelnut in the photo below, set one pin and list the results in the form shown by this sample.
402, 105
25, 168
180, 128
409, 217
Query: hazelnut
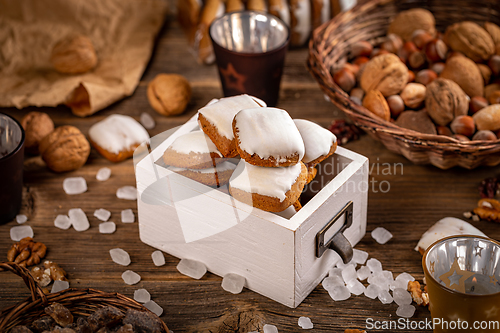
485, 73
36, 126
396, 105
385, 73
463, 125
495, 97
361, 48
425, 76
359, 61
490, 89
461, 138
420, 38
438, 67
484, 135
444, 130
494, 64
65, 149
406, 22
436, 50
488, 118
358, 93
444, 100
169, 94
377, 52
408, 48
477, 103
345, 79
393, 44
375, 102
416, 60
417, 121
413, 95
468, 37
352, 67
411, 76
73, 55
466, 74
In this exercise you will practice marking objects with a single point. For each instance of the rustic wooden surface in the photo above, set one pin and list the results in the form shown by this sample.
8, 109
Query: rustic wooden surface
404, 198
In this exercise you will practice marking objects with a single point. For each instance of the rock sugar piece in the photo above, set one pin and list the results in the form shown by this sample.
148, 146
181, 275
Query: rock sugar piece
62, 222
349, 273
119, 256
405, 311
359, 256
19, 232
75, 185
102, 214
158, 258
233, 283
107, 227
270, 329
61, 315
191, 268
127, 193
339, 293
355, 287
381, 235
363, 273
372, 291
78, 219
385, 297
103, 174
404, 278
374, 265
21, 218
401, 297
128, 216
335, 271
331, 282
58, 286
131, 277
142, 295
305, 323
154, 307
147, 121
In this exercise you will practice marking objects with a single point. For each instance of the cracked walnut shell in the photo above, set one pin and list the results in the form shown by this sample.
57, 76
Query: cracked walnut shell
65, 149
385, 73
74, 55
169, 94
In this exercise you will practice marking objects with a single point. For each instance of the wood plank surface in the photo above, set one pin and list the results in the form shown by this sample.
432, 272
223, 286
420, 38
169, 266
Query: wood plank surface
404, 198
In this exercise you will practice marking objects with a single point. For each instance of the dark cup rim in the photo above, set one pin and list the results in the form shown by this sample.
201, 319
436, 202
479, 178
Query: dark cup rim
249, 54
427, 273
21, 142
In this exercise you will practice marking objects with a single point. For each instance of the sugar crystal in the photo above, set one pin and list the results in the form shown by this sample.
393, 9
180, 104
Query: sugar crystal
404, 278
233, 283
62, 222
331, 282
372, 291
381, 235
58, 285
21, 218
385, 297
78, 219
355, 287
389, 276
74, 185
398, 284
401, 296
103, 174
270, 329
191, 268
154, 307
127, 193
158, 258
147, 121
142, 296
107, 227
405, 311
128, 216
363, 273
343, 266
359, 256
131, 277
349, 273
339, 293
102, 214
305, 323
119, 256
379, 279
335, 271
374, 265
19, 232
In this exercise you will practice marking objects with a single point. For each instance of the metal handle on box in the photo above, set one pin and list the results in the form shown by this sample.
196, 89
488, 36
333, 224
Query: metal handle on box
338, 242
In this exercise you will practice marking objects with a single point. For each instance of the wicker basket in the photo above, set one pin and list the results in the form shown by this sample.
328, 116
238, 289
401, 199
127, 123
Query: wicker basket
81, 302
329, 49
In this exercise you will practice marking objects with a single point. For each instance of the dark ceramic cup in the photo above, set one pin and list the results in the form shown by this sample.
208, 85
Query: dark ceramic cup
250, 49
11, 167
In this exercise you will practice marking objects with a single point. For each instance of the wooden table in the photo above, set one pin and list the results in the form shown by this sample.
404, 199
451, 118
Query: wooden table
404, 198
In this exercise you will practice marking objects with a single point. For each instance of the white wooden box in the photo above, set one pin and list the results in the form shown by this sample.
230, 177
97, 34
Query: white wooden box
276, 255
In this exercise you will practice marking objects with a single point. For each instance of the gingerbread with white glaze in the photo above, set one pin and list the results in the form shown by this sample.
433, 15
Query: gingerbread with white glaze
212, 176
318, 141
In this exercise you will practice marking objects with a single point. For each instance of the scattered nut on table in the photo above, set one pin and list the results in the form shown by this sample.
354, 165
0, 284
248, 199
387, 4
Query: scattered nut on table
27, 252
419, 297
36, 126
74, 55
488, 209
169, 94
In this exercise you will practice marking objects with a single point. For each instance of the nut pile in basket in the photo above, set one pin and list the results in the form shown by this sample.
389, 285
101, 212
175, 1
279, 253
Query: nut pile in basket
427, 81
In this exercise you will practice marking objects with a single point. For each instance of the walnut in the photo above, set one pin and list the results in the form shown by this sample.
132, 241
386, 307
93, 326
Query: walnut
74, 55
444, 100
385, 73
466, 74
65, 149
419, 297
470, 39
375, 102
418, 121
36, 126
169, 94
27, 252
55, 271
408, 21
41, 276
488, 118
494, 31
488, 209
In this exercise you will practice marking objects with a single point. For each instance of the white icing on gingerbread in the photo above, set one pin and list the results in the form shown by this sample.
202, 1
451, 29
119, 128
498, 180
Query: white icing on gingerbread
118, 133
302, 12
224, 166
268, 132
196, 142
221, 113
271, 182
317, 140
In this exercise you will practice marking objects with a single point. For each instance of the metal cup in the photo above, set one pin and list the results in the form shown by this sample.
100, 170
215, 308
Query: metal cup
250, 49
11, 167
462, 275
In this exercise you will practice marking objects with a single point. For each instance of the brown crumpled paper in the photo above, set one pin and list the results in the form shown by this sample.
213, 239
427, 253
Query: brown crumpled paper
122, 31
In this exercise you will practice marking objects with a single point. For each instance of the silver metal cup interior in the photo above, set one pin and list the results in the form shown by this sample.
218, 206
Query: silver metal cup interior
249, 32
11, 135
473, 254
